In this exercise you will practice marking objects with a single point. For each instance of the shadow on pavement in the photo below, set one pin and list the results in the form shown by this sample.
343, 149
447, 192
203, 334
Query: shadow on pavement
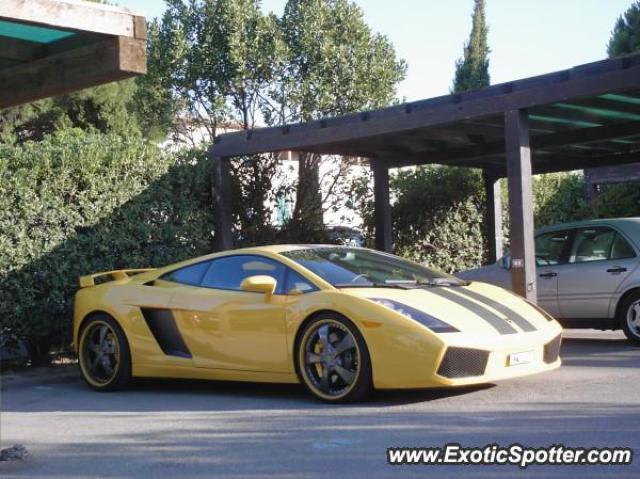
321, 443
600, 352
159, 395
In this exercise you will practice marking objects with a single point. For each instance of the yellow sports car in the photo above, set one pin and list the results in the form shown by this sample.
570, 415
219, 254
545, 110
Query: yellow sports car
341, 320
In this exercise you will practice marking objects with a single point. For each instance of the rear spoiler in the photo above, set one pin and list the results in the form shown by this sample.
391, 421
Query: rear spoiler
90, 280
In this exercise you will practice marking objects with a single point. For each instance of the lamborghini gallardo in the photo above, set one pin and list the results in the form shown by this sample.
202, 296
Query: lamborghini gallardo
342, 321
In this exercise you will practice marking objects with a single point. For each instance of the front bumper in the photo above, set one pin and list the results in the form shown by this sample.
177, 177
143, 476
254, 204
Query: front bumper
461, 365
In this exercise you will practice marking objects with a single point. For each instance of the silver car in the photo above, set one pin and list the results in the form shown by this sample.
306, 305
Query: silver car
588, 274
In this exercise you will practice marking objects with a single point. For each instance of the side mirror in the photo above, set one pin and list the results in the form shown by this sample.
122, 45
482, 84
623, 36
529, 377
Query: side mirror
259, 284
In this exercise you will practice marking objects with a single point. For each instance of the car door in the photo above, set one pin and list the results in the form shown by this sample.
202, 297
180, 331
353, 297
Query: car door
228, 328
599, 261
551, 250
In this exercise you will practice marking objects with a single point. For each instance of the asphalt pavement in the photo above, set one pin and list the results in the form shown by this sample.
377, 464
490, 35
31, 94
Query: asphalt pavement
198, 429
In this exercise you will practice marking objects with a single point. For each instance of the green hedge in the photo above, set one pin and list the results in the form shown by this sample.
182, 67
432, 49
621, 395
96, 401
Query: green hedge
78, 203
438, 217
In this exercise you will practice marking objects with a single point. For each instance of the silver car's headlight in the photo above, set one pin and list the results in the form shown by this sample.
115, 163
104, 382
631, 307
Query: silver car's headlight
434, 324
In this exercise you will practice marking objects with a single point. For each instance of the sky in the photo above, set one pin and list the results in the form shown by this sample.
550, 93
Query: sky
526, 37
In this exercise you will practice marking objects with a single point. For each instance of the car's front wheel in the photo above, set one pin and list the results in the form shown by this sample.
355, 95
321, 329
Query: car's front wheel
103, 354
630, 317
333, 360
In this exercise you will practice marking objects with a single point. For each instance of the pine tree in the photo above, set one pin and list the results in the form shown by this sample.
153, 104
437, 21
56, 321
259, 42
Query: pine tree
625, 37
472, 70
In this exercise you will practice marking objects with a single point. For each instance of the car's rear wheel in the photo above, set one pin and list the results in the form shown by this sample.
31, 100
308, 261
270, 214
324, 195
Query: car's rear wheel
630, 317
103, 354
333, 360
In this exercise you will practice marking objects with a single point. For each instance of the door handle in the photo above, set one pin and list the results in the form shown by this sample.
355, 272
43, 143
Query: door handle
617, 269
548, 274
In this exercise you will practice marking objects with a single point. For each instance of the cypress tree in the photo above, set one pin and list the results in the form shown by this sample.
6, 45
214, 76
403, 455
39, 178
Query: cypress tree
625, 37
472, 70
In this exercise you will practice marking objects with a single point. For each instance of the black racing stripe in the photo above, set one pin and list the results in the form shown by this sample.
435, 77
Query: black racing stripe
499, 324
522, 322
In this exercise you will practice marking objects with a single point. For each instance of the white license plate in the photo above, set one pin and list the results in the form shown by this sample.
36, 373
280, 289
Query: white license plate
523, 357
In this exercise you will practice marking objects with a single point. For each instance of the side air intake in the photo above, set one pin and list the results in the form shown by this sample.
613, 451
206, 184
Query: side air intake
165, 331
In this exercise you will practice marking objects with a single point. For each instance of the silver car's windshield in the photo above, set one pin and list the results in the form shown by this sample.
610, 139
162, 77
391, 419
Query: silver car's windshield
355, 267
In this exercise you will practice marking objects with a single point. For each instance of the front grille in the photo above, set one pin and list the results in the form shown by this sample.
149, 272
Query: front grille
552, 349
463, 362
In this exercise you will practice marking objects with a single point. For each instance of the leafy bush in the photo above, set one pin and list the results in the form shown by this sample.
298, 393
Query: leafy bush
558, 198
617, 200
438, 217
438, 212
79, 203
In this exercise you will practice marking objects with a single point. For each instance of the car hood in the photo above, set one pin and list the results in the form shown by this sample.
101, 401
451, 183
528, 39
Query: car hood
479, 308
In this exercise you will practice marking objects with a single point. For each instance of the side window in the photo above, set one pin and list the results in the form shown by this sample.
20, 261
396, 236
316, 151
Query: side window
550, 247
592, 244
621, 249
229, 272
191, 275
297, 281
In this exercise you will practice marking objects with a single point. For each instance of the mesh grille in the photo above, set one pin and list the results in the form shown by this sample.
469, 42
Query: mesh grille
463, 362
552, 349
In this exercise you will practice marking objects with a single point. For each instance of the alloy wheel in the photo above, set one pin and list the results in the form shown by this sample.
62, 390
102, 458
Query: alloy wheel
100, 353
633, 318
330, 358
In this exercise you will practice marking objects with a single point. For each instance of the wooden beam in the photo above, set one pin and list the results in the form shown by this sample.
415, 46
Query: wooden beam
74, 16
555, 163
587, 80
222, 207
113, 59
382, 206
493, 215
19, 50
523, 258
579, 136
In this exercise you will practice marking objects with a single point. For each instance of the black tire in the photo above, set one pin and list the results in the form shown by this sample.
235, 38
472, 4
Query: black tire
104, 365
326, 374
628, 311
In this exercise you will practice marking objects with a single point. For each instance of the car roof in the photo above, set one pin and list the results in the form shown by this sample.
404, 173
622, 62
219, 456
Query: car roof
268, 249
283, 248
631, 226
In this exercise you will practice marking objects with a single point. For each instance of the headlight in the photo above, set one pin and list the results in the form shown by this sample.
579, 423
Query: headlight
434, 324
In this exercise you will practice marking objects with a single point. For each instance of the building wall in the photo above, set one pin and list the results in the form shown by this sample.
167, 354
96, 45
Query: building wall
190, 134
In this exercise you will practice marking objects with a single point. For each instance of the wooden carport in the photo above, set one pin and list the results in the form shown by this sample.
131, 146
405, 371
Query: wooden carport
586, 116
52, 47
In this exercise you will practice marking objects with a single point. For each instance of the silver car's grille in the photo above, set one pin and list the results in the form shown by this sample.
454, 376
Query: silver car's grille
552, 349
463, 362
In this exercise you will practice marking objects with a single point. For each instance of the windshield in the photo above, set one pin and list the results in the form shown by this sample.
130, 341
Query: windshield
355, 267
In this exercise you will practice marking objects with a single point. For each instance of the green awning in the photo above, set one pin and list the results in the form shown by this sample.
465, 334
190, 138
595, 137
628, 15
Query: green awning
31, 33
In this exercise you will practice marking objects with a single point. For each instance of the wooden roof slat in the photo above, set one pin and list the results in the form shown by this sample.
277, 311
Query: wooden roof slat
615, 75
539, 142
53, 47
112, 59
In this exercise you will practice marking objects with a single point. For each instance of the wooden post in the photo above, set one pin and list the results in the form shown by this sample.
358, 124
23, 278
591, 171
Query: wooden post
518, 155
493, 219
221, 192
382, 206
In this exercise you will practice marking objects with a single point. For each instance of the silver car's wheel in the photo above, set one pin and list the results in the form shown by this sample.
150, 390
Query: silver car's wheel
630, 317
633, 318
